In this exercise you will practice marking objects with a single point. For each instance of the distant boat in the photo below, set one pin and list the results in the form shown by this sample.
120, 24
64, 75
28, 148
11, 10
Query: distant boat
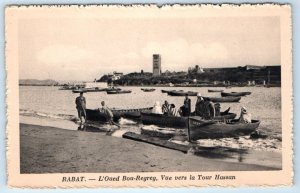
78, 91
148, 89
182, 93
224, 94
227, 99
166, 91
118, 91
211, 90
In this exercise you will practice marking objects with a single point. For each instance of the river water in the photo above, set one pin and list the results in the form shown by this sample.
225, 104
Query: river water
44, 105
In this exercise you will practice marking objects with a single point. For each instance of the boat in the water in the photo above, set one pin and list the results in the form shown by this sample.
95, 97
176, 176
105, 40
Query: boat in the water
78, 90
166, 91
224, 94
96, 115
177, 122
182, 93
213, 90
148, 89
227, 99
118, 91
202, 129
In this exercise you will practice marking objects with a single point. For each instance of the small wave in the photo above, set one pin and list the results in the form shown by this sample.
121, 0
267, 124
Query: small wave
124, 121
26, 112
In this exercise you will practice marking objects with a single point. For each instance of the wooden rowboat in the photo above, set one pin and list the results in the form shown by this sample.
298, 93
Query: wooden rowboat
148, 89
176, 122
96, 115
118, 91
229, 99
211, 90
224, 94
182, 93
199, 129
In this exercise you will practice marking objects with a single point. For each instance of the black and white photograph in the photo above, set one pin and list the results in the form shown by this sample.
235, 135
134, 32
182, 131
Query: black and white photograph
185, 95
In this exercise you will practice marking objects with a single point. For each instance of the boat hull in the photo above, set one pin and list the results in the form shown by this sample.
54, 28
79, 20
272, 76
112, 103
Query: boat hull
201, 130
227, 99
210, 90
118, 92
148, 89
96, 115
176, 122
179, 93
237, 94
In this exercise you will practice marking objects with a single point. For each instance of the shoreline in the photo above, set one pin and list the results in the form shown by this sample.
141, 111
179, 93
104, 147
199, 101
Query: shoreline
46, 149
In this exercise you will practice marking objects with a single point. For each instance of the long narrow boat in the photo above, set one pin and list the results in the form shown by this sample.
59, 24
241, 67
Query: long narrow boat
166, 91
199, 129
212, 90
224, 94
182, 93
118, 91
148, 89
229, 99
176, 122
96, 115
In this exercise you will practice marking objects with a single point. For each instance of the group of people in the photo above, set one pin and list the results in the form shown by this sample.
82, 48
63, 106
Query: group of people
204, 108
81, 109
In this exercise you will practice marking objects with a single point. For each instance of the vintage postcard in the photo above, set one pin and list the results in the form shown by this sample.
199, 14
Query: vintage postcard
148, 96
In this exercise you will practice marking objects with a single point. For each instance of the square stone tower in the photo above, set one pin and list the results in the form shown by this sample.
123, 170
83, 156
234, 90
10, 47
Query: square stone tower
156, 65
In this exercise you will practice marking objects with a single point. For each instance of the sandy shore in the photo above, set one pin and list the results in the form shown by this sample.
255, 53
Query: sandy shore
54, 150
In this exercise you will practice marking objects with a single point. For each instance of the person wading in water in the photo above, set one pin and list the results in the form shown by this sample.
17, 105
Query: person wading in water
81, 106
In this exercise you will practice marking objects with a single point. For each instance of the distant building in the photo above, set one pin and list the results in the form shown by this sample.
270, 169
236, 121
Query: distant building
115, 75
156, 65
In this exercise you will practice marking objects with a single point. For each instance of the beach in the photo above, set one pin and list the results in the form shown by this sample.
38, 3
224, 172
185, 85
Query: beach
46, 149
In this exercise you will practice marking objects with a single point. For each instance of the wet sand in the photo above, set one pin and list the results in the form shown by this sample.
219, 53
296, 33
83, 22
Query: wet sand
47, 149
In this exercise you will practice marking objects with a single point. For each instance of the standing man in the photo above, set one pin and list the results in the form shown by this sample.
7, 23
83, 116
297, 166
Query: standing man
81, 106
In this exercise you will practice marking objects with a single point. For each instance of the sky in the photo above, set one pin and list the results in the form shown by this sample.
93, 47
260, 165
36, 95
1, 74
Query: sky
84, 48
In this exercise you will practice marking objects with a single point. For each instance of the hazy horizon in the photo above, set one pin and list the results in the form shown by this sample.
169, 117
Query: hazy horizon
85, 49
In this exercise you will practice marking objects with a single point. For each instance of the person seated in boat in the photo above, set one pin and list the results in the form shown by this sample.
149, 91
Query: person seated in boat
186, 108
245, 117
108, 114
200, 106
157, 108
217, 109
173, 111
209, 112
166, 108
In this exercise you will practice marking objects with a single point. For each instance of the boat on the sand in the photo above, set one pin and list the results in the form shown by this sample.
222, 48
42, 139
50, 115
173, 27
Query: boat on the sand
177, 122
148, 89
182, 93
96, 115
118, 91
227, 99
224, 94
213, 90
199, 129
